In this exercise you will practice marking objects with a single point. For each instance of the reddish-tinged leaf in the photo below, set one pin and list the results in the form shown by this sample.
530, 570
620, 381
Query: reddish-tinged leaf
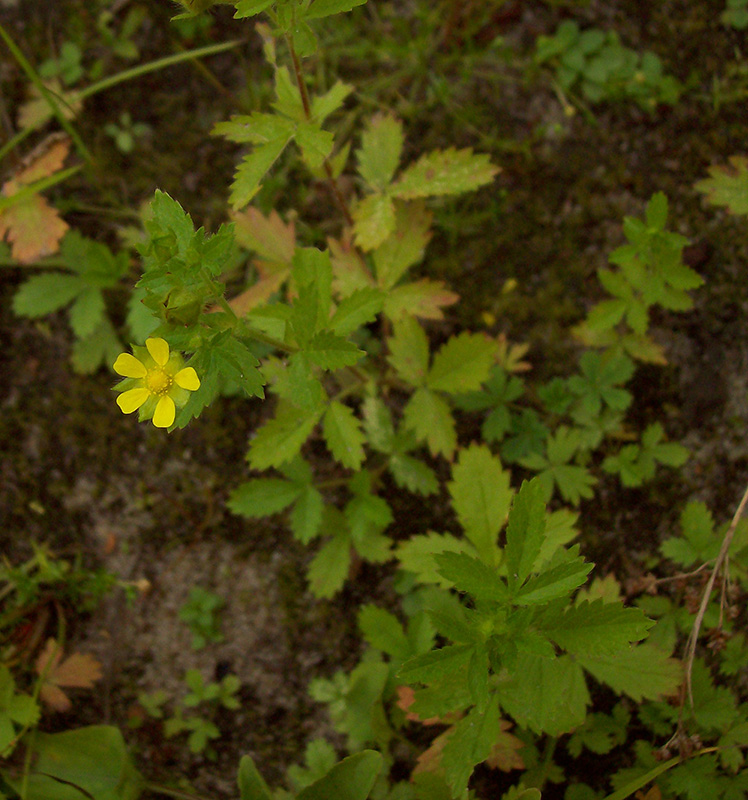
271, 279
32, 226
406, 696
269, 237
431, 759
424, 299
78, 670
348, 269
505, 752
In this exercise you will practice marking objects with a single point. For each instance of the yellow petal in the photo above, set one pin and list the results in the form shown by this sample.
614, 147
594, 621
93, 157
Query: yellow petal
187, 379
159, 350
132, 400
165, 413
129, 367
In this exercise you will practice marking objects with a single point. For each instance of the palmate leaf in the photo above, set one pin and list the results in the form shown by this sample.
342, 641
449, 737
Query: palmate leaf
100, 348
481, 497
418, 555
252, 785
444, 172
435, 665
411, 474
566, 571
350, 779
43, 294
423, 298
727, 185
356, 310
468, 574
248, 8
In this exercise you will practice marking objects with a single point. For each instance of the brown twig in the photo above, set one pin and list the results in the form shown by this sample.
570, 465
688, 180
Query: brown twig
721, 562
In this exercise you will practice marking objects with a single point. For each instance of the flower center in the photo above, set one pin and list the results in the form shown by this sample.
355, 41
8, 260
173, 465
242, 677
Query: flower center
157, 381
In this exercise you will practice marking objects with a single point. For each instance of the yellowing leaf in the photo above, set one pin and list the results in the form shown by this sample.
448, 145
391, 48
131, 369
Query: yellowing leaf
444, 172
374, 219
727, 186
269, 237
32, 226
348, 268
78, 670
424, 299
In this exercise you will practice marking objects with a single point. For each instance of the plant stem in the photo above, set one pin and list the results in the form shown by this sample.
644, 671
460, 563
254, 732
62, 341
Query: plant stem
332, 181
159, 789
153, 66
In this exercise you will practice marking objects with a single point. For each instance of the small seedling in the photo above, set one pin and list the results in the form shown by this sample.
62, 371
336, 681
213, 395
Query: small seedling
200, 612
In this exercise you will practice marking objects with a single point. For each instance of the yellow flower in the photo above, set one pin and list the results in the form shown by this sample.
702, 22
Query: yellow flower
157, 382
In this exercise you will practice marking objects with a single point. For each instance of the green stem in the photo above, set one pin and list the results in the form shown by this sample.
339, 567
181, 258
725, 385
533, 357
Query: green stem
36, 187
332, 181
153, 66
46, 94
11, 144
159, 789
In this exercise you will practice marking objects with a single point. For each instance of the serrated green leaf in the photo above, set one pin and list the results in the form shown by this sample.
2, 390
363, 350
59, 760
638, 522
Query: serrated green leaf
656, 212
281, 438
546, 695
342, 431
411, 474
469, 744
405, 246
727, 185
409, 351
316, 144
87, 312
306, 515
332, 100
462, 363
252, 169
262, 497
353, 777
597, 628
356, 310
430, 418
417, 555
437, 664
330, 351
248, 8
481, 497
329, 568
326, 8
374, 221
641, 672
381, 146
43, 294
98, 349
557, 580
378, 425
252, 785
469, 574
525, 532
444, 172
383, 631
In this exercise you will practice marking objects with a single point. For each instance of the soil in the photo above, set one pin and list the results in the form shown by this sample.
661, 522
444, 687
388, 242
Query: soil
87, 481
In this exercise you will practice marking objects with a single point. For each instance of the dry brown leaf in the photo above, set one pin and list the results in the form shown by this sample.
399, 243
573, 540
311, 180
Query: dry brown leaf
32, 226
504, 753
79, 670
